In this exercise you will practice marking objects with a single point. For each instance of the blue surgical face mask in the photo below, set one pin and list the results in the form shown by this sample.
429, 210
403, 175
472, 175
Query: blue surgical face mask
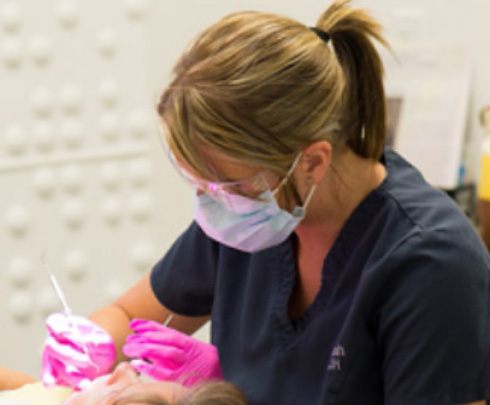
246, 224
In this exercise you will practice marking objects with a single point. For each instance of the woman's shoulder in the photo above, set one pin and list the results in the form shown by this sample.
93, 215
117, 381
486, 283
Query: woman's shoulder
423, 230
425, 210
435, 265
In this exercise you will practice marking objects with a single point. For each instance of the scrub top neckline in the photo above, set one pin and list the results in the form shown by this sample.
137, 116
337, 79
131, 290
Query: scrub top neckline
284, 265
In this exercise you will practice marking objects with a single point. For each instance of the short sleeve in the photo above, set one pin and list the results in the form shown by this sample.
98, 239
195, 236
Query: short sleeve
184, 279
434, 323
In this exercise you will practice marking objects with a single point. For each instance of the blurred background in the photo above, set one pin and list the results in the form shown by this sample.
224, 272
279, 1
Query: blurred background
84, 178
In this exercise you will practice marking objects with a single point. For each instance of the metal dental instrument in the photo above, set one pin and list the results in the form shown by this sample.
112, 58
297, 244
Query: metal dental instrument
56, 286
167, 321
66, 309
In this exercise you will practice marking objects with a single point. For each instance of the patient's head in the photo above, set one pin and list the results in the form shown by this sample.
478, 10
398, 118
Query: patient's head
123, 387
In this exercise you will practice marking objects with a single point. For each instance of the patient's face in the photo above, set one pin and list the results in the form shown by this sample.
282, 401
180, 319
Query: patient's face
121, 383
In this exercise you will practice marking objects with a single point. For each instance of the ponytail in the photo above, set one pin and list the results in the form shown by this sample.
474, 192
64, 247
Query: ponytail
364, 106
260, 88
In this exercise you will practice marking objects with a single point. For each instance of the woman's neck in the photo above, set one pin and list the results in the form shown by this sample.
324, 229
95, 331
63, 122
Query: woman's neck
346, 184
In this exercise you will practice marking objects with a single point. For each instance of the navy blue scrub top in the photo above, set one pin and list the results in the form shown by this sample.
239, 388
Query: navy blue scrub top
402, 316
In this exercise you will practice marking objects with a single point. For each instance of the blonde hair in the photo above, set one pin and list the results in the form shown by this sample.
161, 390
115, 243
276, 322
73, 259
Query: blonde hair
260, 88
215, 393
205, 393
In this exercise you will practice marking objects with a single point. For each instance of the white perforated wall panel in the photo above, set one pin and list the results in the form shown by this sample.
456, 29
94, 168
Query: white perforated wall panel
83, 177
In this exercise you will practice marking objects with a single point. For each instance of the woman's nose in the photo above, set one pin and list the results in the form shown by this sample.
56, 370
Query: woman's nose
123, 373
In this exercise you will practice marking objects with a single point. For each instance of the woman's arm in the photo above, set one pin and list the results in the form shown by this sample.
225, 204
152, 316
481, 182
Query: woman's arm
140, 302
11, 379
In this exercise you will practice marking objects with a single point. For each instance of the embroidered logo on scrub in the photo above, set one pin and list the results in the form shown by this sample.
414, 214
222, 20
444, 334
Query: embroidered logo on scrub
335, 363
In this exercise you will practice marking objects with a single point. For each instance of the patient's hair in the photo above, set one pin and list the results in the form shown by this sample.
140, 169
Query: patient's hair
207, 393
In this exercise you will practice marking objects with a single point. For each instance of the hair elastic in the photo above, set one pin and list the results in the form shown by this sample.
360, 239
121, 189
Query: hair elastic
322, 34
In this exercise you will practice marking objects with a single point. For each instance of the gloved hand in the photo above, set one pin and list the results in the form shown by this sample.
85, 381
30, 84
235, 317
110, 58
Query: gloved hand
166, 354
76, 351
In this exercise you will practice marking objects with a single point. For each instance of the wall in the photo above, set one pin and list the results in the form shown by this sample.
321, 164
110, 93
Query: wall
82, 172
83, 176
462, 25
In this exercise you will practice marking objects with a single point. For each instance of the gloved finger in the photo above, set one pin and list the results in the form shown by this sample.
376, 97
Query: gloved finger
85, 383
76, 377
192, 379
72, 380
152, 370
145, 325
64, 353
77, 331
48, 373
70, 376
76, 338
103, 362
172, 336
158, 353
96, 333
52, 371
98, 344
59, 324
162, 338
56, 373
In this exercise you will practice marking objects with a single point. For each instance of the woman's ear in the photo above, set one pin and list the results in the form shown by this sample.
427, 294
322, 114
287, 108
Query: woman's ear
316, 160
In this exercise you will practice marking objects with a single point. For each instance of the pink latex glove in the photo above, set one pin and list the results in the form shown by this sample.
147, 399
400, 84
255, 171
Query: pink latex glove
76, 351
166, 354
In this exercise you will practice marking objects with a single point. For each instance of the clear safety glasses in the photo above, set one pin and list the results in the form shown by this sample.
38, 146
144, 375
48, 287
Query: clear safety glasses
225, 191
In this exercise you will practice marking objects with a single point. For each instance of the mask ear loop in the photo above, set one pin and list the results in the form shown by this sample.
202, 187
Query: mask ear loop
288, 174
301, 211
308, 197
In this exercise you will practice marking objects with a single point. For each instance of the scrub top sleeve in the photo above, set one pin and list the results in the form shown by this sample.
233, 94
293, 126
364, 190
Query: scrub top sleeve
184, 279
433, 325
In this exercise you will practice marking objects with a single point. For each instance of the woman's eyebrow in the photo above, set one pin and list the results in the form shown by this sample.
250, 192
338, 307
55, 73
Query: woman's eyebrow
112, 397
137, 394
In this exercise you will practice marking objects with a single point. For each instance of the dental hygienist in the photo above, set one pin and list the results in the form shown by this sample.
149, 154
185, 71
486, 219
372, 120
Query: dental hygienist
332, 272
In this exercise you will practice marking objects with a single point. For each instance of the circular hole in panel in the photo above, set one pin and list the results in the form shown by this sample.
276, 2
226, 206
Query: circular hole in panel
135, 9
110, 175
71, 99
75, 263
43, 136
18, 220
109, 92
20, 272
15, 139
113, 289
68, 13
72, 178
44, 182
47, 302
21, 306
140, 205
139, 172
138, 124
12, 52
10, 16
73, 213
142, 257
42, 101
72, 134
107, 42
40, 50
109, 127
111, 209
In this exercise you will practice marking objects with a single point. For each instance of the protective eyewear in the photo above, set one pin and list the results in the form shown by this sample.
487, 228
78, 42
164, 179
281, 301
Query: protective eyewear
250, 188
